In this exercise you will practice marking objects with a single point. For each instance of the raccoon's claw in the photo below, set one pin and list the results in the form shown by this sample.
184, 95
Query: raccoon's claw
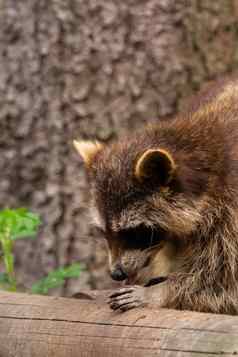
127, 298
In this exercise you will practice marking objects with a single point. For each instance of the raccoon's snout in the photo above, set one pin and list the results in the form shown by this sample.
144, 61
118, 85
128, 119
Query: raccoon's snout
118, 273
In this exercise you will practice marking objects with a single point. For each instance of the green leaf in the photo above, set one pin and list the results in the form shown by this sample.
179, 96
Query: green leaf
56, 278
20, 223
4, 281
43, 286
4, 278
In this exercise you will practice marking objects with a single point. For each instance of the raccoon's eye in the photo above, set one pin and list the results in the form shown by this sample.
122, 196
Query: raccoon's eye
141, 237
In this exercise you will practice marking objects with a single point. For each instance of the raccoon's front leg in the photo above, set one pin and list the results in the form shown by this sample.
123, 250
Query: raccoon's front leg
128, 298
134, 296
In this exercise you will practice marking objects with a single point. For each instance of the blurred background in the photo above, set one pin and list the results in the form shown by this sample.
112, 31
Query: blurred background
92, 69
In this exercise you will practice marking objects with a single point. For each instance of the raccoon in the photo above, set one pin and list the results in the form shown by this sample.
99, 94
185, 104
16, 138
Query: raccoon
166, 198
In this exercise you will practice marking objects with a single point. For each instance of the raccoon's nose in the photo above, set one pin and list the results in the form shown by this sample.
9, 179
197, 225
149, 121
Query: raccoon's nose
118, 274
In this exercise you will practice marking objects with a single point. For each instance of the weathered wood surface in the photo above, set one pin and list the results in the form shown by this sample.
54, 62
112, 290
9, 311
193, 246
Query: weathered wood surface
34, 326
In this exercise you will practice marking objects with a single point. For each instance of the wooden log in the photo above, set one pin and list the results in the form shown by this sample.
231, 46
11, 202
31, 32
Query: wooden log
39, 326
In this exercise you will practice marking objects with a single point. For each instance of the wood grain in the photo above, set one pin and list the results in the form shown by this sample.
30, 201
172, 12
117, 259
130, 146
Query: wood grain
34, 326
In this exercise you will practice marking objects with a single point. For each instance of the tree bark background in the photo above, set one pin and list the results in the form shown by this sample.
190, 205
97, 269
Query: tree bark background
92, 69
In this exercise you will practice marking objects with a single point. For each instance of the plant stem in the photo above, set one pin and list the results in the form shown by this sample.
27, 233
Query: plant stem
8, 258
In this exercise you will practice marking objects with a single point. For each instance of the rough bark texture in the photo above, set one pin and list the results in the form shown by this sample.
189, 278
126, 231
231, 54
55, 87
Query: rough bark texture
87, 69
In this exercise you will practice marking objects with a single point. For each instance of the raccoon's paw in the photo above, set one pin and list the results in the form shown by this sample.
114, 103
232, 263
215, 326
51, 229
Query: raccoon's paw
128, 298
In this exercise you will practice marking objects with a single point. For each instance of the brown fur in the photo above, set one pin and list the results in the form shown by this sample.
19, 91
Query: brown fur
196, 213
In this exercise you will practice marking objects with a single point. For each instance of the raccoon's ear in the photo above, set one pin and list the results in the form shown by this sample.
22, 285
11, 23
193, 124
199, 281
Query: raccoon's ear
155, 164
87, 149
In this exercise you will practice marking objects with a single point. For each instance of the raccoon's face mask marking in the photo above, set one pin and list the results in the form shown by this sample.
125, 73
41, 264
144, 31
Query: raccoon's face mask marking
133, 252
141, 237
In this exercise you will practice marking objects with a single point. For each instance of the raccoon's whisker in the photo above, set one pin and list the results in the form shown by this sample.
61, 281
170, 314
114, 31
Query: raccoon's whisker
153, 247
151, 236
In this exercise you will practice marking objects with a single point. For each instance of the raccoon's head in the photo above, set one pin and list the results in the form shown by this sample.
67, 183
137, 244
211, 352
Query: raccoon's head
143, 206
